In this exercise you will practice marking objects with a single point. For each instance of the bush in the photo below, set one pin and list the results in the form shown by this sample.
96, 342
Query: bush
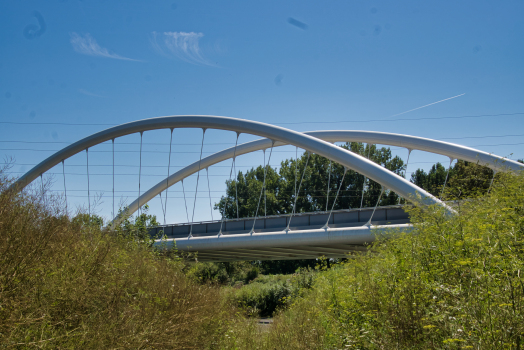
454, 282
263, 296
67, 284
223, 273
268, 293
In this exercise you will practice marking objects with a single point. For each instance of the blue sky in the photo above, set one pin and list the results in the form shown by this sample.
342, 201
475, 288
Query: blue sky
299, 64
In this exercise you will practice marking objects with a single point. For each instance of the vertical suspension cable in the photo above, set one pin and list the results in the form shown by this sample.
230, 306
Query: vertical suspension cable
236, 183
406, 171
446, 180
185, 201
336, 196
365, 178
265, 192
209, 190
263, 186
491, 183
407, 163
140, 172
88, 195
113, 214
162, 206
296, 195
376, 205
329, 180
226, 198
168, 173
296, 168
236, 175
65, 188
198, 178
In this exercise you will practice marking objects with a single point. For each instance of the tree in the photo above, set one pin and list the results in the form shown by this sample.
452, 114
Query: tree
311, 192
469, 180
136, 229
308, 185
433, 181
465, 180
88, 220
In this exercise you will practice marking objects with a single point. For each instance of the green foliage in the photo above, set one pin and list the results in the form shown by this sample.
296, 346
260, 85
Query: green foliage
465, 180
280, 186
313, 195
267, 293
136, 229
454, 282
223, 272
88, 221
469, 180
230, 273
262, 297
285, 267
67, 284
433, 181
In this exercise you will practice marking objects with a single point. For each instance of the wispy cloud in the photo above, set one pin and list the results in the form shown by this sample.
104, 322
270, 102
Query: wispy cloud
88, 46
87, 93
182, 45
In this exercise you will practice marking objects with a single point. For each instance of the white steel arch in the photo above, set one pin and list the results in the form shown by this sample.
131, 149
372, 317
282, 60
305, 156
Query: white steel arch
323, 148
373, 137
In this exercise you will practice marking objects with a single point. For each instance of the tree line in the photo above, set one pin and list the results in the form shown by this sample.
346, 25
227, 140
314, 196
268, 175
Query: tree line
313, 181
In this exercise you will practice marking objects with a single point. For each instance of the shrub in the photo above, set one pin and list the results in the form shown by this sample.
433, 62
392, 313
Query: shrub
261, 297
66, 284
454, 282
223, 272
268, 293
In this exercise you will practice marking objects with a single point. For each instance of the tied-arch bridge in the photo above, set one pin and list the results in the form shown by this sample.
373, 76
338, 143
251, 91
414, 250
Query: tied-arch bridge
296, 235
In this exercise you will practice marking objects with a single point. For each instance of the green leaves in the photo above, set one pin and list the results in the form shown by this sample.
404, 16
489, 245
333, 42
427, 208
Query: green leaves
136, 229
313, 195
454, 282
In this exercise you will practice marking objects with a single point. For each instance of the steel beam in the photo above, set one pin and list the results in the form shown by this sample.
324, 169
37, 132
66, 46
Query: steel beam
411, 142
330, 236
323, 148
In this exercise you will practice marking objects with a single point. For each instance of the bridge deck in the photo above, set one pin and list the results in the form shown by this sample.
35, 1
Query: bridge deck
300, 221
305, 240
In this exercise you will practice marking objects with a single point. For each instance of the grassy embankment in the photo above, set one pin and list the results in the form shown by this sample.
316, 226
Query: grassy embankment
66, 284
456, 283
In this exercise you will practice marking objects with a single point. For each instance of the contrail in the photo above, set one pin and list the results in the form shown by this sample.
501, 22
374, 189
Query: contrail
434, 103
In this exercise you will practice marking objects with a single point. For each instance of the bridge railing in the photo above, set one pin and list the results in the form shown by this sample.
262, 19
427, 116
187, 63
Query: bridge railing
302, 221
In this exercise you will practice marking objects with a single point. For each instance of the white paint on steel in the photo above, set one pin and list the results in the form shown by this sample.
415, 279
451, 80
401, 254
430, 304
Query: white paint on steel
372, 137
449, 149
323, 148
343, 235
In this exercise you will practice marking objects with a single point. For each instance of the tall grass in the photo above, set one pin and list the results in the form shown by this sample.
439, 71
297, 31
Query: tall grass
72, 286
453, 283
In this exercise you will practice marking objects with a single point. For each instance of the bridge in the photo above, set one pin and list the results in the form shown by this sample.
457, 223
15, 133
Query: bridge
340, 232
297, 235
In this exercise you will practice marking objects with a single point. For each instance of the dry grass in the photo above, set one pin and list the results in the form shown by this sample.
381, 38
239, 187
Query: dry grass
66, 286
